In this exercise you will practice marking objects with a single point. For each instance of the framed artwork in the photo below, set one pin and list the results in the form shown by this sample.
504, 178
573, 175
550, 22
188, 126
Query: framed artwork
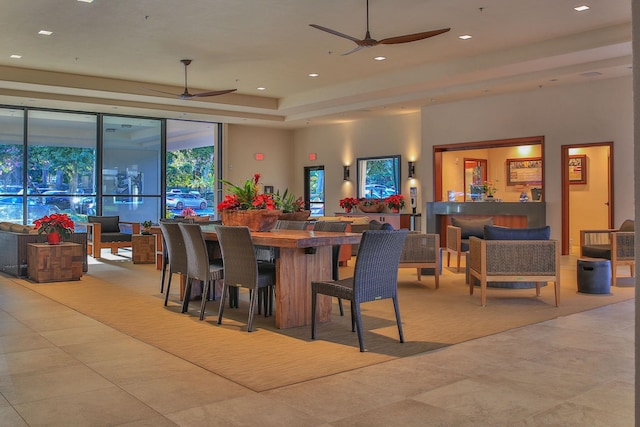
524, 171
578, 169
268, 189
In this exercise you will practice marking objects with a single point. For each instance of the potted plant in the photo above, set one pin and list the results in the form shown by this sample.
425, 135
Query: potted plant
247, 206
395, 202
146, 227
292, 207
57, 227
348, 203
370, 205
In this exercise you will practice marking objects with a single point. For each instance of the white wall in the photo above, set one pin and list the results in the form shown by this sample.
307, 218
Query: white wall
591, 112
240, 147
342, 144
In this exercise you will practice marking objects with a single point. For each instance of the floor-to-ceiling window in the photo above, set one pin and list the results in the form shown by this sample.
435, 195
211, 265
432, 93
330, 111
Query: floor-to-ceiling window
49, 162
61, 164
190, 169
11, 164
132, 167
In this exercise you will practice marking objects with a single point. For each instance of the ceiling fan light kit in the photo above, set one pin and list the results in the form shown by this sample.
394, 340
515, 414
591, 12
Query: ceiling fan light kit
369, 41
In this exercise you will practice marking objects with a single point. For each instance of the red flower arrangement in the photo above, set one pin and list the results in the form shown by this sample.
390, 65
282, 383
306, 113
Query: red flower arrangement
246, 196
348, 203
395, 201
188, 212
55, 223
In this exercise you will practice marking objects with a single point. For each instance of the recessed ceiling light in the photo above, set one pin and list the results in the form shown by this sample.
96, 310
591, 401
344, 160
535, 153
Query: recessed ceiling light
15, 56
262, 88
581, 8
380, 58
45, 32
465, 37
313, 74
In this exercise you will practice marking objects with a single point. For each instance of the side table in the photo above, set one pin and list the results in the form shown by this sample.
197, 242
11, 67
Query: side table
54, 263
144, 248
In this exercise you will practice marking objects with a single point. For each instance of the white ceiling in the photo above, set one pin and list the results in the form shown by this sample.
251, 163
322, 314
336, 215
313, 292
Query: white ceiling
104, 56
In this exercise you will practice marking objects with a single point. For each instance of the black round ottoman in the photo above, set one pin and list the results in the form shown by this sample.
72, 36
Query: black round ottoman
594, 276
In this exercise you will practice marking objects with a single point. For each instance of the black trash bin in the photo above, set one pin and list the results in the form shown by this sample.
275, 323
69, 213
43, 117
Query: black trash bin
594, 276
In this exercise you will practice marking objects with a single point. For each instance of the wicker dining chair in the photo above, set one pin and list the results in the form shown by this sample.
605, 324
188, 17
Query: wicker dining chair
165, 251
199, 267
375, 277
176, 251
241, 268
338, 226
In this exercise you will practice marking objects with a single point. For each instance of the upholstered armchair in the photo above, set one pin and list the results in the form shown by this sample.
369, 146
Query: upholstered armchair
614, 245
514, 255
458, 234
108, 232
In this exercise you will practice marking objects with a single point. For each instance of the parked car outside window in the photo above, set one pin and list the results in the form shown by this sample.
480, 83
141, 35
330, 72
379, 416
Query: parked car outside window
185, 200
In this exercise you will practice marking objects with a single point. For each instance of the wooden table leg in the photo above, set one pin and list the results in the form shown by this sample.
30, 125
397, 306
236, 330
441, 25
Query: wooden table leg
295, 270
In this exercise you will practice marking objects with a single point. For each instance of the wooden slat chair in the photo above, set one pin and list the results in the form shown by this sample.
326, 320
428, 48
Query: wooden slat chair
108, 232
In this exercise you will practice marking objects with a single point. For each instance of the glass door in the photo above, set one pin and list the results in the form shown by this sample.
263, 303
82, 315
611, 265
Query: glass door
314, 190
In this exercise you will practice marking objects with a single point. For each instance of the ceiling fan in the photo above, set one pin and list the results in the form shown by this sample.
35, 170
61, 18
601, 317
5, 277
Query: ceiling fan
186, 94
368, 41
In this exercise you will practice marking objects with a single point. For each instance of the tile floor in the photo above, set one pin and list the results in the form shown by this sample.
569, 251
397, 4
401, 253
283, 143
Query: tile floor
61, 368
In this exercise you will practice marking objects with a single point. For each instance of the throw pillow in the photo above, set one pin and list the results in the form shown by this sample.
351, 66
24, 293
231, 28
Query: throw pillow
627, 225
110, 224
503, 233
471, 227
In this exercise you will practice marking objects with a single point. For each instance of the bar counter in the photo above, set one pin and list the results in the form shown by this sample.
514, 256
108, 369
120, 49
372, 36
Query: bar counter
508, 214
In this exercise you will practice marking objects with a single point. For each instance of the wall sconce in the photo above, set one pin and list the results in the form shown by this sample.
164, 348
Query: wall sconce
345, 173
412, 169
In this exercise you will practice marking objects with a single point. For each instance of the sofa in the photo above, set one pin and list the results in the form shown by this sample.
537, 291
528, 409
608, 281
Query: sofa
514, 255
13, 241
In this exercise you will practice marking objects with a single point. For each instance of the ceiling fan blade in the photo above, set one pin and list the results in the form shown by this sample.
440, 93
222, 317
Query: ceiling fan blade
355, 49
213, 93
335, 33
159, 91
413, 37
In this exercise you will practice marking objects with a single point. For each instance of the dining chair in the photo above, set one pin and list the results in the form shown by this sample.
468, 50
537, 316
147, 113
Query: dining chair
165, 251
337, 226
199, 267
176, 251
375, 277
241, 268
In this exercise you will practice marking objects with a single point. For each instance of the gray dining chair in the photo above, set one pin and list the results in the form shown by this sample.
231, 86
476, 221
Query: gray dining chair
241, 268
375, 277
199, 266
337, 226
176, 251
165, 251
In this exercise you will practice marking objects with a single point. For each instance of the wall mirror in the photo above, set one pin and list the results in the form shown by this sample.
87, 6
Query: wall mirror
378, 177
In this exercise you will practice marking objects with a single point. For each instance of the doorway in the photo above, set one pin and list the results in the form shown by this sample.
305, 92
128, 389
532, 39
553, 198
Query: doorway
587, 191
314, 190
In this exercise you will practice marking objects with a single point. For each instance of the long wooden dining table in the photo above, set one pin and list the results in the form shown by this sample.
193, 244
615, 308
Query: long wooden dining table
303, 256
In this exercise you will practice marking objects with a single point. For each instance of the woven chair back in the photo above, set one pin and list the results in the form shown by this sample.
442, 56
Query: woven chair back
238, 256
283, 224
175, 246
376, 271
197, 254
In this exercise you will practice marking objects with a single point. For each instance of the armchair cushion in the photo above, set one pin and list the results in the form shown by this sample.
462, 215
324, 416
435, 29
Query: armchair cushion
492, 232
471, 227
627, 225
110, 224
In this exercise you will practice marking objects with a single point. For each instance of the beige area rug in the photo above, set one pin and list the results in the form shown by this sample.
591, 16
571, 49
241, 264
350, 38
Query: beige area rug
126, 297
